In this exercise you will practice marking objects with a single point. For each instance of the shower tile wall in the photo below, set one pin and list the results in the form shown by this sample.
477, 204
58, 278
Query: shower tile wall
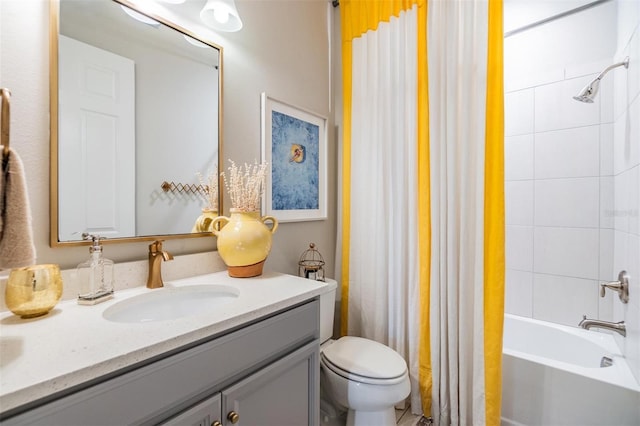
573, 170
626, 178
559, 164
555, 216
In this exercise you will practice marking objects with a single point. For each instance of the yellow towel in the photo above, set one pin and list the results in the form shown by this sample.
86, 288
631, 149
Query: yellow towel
16, 235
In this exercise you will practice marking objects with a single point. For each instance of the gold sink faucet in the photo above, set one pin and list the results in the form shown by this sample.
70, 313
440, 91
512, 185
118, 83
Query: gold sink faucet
156, 256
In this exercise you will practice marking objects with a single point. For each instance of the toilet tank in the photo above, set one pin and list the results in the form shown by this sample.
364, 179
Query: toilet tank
327, 306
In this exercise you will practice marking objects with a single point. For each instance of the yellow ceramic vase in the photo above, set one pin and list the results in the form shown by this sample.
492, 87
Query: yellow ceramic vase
244, 241
203, 222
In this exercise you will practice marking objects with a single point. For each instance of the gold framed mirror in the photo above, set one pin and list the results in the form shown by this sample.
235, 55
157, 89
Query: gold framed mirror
135, 122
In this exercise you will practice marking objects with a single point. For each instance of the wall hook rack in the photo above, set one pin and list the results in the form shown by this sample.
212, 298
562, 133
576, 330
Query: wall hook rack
184, 188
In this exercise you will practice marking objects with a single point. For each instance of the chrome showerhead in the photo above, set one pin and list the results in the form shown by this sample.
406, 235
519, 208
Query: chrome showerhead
589, 92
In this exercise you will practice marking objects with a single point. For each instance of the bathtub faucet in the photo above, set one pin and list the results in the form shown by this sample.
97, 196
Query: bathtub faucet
618, 327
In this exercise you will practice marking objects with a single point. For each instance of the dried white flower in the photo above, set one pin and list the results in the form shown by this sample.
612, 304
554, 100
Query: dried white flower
245, 185
209, 191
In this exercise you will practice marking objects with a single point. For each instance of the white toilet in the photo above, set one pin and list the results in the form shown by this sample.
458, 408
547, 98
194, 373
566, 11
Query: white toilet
360, 375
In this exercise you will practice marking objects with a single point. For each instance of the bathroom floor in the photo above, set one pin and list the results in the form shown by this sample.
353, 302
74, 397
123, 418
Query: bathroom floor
405, 418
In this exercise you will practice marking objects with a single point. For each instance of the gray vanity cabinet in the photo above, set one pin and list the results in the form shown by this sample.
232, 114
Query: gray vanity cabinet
205, 413
266, 373
277, 395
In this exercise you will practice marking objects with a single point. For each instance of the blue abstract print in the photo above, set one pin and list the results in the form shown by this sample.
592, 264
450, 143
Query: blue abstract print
294, 163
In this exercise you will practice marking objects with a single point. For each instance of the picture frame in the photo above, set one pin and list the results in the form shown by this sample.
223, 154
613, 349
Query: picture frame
294, 146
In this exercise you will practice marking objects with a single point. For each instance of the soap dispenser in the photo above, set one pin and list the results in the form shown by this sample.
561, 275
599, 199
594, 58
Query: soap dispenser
96, 275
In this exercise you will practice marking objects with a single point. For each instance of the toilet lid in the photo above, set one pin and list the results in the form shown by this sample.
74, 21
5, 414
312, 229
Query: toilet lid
365, 358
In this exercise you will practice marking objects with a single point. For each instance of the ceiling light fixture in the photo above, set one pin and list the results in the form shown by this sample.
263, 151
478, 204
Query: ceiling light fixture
140, 17
221, 15
195, 42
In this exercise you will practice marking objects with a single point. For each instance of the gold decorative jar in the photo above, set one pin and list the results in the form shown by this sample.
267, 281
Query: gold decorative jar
33, 291
244, 241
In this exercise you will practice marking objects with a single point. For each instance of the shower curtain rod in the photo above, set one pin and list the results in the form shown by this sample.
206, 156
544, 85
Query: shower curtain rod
336, 3
555, 17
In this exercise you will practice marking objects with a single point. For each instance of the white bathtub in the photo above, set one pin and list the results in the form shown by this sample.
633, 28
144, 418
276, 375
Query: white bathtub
551, 375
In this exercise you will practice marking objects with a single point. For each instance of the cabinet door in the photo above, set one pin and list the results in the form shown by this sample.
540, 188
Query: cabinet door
285, 393
206, 413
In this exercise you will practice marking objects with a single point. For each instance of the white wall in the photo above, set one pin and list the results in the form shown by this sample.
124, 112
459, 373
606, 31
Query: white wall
283, 49
286, 56
572, 179
626, 177
558, 168
518, 13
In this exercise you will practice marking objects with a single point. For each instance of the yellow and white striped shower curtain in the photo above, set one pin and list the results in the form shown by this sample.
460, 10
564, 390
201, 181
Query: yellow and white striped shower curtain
422, 195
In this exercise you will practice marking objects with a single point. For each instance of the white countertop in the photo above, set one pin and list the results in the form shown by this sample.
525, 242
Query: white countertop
73, 344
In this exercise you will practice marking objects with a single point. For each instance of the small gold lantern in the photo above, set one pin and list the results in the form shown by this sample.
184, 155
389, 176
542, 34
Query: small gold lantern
311, 264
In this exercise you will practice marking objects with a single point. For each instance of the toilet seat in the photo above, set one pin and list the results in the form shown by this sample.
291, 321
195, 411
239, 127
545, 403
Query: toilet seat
359, 379
365, 361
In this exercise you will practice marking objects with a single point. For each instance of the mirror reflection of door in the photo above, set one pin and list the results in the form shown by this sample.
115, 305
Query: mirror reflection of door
175, 123
97, 130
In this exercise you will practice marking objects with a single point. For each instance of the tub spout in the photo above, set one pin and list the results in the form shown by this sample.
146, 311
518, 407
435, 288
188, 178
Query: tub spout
618, 327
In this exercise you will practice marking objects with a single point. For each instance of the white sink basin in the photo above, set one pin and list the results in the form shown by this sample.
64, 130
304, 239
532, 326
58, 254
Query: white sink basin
171, 303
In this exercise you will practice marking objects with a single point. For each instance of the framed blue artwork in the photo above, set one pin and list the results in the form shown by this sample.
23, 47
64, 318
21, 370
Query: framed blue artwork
294, 145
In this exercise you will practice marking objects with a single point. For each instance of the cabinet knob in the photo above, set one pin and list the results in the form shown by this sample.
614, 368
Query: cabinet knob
216, 423
233, 417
